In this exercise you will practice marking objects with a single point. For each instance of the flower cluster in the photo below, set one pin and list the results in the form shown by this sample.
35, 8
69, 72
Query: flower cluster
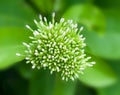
57, 46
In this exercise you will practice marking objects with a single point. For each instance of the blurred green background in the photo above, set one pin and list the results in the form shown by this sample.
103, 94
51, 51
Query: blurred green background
101, 19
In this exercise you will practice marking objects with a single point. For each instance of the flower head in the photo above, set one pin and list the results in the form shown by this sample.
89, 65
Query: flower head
57, 46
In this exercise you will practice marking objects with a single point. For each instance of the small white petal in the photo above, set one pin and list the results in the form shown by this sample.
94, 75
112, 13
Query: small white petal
51, 72
76, 75
33, 66
44, 57
27, 62
40, 17
42, 49
70, 22
38, 67
45, 19
28, 27
27, 58
93, 63
36, 33
90, 65
39, 41
44, 65
81, 28
31, 37
35, 21
75, 25
25, 44
83, 39
88, 57
18, 54
66, 79
53, 14
62, 20
32, 62
50, 25
82, 68
63, 78
72, 78
58, 69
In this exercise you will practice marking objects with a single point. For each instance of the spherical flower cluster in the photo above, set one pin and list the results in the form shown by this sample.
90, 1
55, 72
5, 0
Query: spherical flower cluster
57, 46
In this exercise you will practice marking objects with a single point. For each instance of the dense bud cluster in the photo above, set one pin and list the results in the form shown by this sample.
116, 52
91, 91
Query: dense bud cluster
57, 46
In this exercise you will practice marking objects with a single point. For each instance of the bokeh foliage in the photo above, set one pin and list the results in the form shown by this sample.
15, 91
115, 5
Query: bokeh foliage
101, 19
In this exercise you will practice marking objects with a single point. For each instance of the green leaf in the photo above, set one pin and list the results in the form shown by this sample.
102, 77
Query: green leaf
106, 46
12, 30
14, 35
8, 55
19, 10
45, 6
88, 15
113, 89
11, 43
108, 3
100, 75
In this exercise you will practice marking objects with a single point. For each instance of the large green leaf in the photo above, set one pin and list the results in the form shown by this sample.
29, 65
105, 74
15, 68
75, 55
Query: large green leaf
88, 15
8, 55
13, 35
113, 17
100, 75
113, 89
106, 46
11, 39
45, 6
13, 17
17, 9
108, 3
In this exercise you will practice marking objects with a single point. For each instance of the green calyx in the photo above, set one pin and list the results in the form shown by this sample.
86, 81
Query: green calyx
57, 46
